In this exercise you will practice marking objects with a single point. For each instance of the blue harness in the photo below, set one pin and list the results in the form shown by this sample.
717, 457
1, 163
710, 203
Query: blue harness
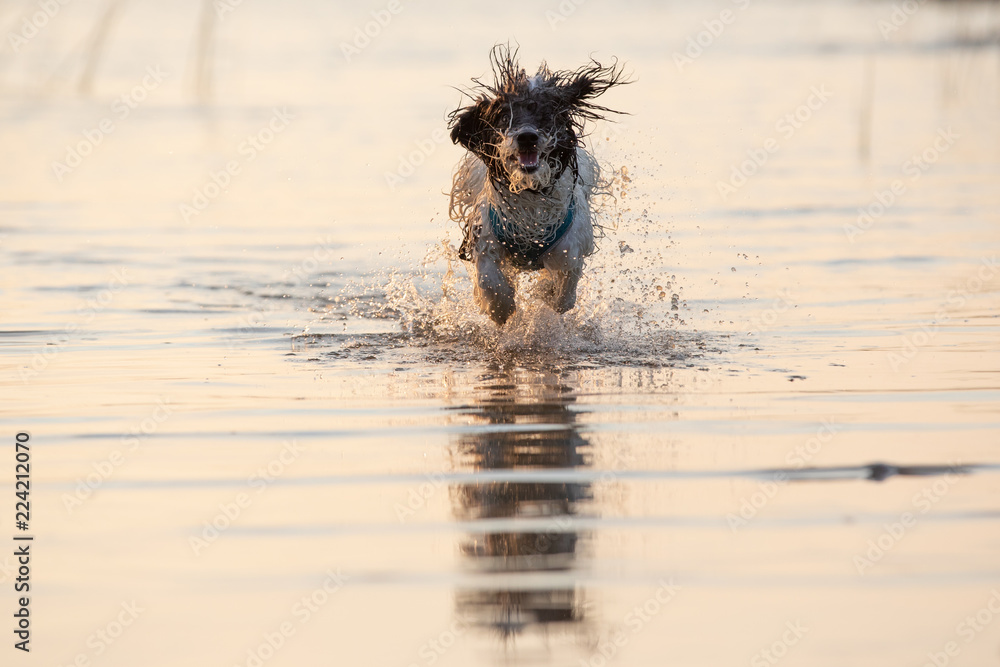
525, 254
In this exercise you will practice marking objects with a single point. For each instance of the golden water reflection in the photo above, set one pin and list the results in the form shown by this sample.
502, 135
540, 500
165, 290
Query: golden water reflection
524, 421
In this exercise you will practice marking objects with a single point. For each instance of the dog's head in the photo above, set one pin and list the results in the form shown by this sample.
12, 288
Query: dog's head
526, 129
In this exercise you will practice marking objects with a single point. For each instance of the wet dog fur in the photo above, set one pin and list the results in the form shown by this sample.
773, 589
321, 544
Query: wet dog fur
527, 167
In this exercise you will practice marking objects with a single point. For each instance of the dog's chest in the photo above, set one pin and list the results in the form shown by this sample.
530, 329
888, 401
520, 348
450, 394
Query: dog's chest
526, 232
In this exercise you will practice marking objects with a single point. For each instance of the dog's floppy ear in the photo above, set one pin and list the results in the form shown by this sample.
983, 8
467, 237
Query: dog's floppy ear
468, 126
579, 87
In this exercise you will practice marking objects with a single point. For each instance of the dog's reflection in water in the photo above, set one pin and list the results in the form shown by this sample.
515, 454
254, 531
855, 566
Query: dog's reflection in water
528, 426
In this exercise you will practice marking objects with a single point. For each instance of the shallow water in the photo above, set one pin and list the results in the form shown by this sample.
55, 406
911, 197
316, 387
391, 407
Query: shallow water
270, 428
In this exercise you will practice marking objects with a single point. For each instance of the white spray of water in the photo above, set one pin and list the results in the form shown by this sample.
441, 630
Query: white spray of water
626, 313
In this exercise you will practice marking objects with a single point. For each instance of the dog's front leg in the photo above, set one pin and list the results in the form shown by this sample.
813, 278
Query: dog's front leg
563, 296
493, 292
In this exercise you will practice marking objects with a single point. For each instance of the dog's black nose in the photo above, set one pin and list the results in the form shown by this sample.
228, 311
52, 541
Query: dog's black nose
527, 140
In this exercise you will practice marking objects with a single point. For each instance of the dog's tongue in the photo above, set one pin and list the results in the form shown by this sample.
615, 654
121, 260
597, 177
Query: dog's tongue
528, 158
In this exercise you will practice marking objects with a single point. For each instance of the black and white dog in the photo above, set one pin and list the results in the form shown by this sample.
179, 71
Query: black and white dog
523, 191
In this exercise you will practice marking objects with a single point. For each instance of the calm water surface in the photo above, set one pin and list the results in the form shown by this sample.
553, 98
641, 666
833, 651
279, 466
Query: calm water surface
268, 427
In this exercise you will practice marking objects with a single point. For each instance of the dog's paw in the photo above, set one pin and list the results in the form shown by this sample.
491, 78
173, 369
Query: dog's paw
495, 300
557, 291
500, 314
565, 304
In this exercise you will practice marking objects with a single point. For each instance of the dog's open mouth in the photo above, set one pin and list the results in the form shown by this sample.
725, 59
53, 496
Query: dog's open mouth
527, 160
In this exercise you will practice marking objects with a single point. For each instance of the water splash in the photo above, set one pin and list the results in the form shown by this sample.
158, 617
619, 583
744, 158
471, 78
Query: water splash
623, 316
628, 313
